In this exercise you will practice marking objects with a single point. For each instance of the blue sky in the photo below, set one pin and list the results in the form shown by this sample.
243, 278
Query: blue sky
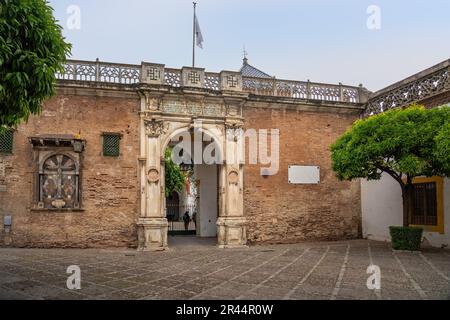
321, 40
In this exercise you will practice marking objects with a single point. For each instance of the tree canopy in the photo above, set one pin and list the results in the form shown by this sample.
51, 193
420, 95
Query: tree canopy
174, 176
32, 49
404, 143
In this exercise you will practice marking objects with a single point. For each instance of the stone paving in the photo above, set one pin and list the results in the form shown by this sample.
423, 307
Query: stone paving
326, 270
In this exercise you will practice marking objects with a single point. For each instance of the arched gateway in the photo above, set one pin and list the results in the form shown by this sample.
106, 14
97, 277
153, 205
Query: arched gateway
116, 183
163, 115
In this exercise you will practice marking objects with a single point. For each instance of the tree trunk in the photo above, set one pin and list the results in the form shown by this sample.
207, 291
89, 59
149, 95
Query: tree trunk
407, 193
408, 201
405, 206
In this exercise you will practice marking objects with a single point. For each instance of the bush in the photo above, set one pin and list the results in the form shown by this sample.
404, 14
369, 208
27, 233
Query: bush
406, 238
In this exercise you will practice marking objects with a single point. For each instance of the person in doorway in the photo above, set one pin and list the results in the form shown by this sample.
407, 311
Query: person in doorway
186, 219
194, 218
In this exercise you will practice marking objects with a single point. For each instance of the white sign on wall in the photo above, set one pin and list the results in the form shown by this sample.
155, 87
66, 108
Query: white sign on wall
304, 174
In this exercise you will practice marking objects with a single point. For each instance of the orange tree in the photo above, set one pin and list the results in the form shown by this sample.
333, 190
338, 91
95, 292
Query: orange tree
404, 143
32, 49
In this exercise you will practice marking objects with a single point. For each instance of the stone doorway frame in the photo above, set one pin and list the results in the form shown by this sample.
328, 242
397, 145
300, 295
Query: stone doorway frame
159, 122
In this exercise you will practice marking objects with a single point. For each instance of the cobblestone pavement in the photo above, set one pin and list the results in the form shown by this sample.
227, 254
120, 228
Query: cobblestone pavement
326, 270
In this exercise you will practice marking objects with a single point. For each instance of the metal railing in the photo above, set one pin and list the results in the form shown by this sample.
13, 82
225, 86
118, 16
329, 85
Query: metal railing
175, 213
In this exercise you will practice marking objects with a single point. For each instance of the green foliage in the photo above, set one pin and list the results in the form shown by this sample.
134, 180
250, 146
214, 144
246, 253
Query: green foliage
442, 150
32, 49
406, 238
175, 179
402, 142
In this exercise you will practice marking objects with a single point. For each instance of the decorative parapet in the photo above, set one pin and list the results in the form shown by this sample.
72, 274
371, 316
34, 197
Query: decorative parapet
231, 81
172, 77
152, 73
157, 74
100, 72
193, 77
212, 81
423, 85
304, 90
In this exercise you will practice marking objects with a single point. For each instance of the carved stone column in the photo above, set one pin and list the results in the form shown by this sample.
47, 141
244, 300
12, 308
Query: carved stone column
152, 224
232, 230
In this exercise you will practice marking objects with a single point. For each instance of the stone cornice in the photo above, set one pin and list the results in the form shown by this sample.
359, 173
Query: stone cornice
84, 88
199, 94
280, 103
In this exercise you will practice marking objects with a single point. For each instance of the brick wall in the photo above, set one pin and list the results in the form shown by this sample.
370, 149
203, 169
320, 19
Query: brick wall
276, 210
109, 185
281, 212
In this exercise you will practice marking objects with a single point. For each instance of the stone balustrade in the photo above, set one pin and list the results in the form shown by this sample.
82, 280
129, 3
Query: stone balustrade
158, 74
416, 88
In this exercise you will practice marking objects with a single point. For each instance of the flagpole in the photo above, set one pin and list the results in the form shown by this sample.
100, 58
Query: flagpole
193, 37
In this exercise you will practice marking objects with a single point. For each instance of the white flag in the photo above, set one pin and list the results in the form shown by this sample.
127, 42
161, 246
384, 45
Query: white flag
198, 33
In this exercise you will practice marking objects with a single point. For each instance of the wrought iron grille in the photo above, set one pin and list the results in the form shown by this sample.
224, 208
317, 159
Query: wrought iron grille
6, 141
425, 204
111, 144
175, 213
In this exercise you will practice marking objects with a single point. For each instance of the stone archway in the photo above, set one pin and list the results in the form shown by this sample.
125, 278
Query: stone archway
156, 131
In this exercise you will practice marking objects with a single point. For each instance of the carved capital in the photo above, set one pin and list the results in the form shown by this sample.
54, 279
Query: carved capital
234, 130
155, 128
234, 125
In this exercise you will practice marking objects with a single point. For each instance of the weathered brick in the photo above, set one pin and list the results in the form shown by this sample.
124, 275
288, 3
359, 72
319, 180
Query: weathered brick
109, 185
279, 212
276, 210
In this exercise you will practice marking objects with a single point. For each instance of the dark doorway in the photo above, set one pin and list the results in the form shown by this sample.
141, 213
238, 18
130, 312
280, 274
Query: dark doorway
175, 214
173, 207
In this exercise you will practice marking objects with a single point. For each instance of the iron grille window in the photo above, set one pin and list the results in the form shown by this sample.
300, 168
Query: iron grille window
6, 141
111, 144
425, 204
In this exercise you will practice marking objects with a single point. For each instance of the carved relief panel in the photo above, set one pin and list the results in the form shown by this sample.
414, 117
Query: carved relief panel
58, 171
58, 182
152, 73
